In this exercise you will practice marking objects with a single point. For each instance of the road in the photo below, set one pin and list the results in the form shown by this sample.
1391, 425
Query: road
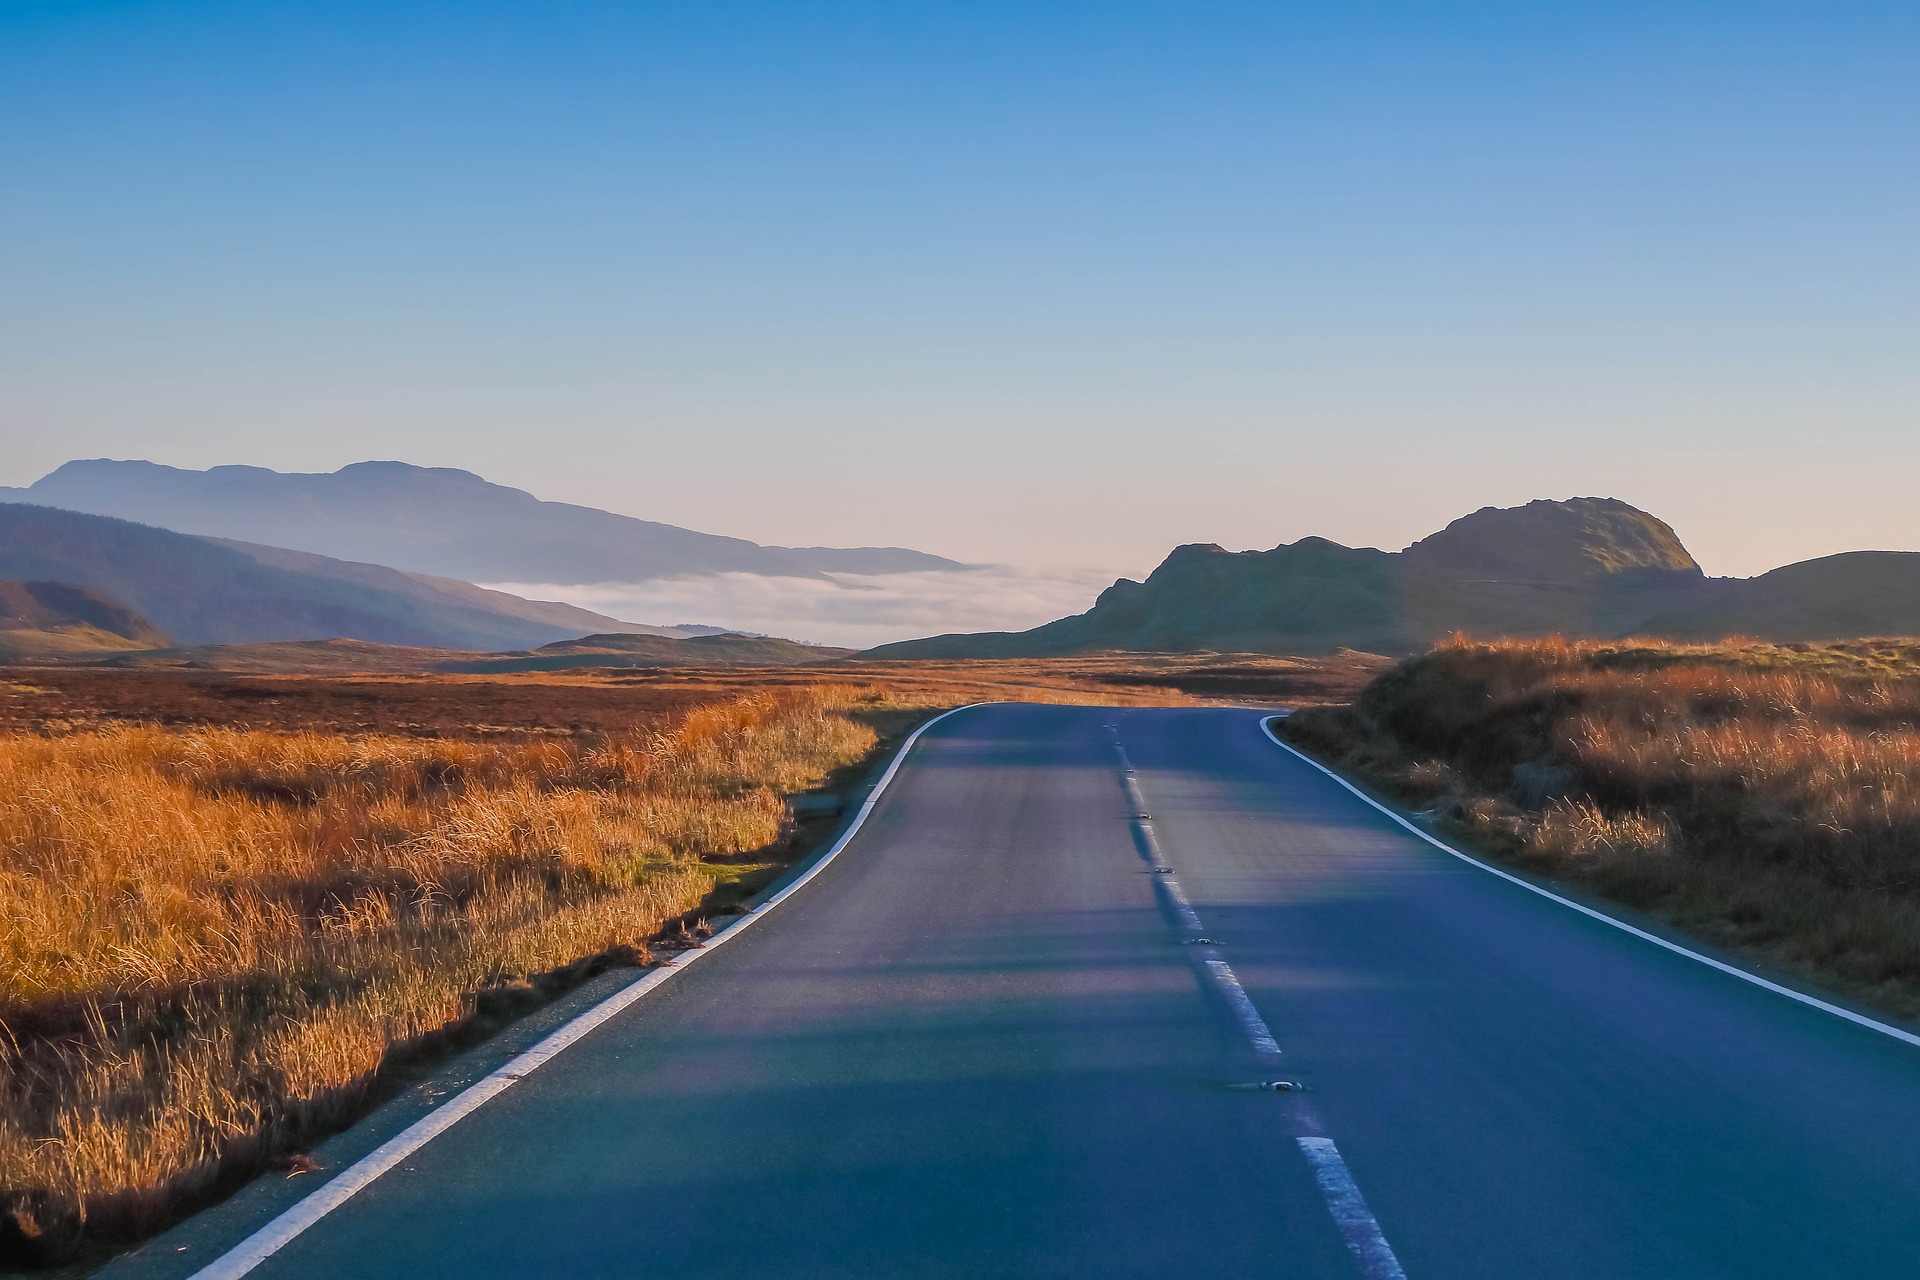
983, 1042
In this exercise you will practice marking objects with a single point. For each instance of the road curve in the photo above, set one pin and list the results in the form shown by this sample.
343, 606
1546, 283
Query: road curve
1015, 1029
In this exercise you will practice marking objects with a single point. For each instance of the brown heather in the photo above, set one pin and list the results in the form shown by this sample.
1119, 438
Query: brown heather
215, 938
1765, 797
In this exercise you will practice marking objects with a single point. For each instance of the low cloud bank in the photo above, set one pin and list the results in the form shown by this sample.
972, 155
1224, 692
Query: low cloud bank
855, 610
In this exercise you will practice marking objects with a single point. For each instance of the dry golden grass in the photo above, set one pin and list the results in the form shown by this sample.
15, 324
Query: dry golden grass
590, 701
1135, 678
217, 937
240, 906
1765, 796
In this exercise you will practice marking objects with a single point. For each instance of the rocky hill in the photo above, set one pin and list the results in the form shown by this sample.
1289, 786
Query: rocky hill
1585, 566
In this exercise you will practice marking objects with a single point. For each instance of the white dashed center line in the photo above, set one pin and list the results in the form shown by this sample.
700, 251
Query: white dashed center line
1250, 1020
1350, 1213
1351, 1216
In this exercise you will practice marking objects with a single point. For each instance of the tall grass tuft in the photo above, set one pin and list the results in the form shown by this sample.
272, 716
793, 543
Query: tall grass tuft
1766, 797
216, 938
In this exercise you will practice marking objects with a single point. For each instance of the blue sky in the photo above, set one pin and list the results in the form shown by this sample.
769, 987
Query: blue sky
1046, 283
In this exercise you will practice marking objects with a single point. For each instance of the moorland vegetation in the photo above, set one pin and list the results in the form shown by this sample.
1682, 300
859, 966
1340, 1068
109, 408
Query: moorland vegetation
1763, 797
219, 938
244, 908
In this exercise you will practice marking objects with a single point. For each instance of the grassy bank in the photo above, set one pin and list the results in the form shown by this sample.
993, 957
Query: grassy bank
1765, 798
218, 940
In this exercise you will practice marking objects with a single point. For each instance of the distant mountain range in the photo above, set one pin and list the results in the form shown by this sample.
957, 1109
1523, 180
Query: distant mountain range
206, 591
73, 583
433, 520
1583, 567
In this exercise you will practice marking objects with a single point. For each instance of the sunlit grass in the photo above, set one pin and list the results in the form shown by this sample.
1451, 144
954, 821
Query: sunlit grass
215, 938
1764, 796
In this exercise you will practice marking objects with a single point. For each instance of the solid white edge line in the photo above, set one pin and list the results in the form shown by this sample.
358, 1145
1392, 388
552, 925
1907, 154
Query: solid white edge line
275, 1235
1356, 1222
1266, 727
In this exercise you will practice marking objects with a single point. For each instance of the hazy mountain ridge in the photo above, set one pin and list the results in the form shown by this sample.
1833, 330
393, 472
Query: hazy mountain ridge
202, 591
433, 520
450, 591
1585, 567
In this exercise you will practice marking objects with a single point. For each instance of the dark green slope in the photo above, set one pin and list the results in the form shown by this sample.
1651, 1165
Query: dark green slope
1858, 593
57, 606
1586, 566
1314, 594
54, 621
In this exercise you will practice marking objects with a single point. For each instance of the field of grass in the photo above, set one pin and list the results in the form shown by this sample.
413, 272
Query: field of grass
218, 937
244, 907
1763, 797
492, 706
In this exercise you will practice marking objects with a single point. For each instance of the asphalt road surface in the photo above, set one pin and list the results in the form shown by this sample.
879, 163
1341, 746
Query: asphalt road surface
1015, 1029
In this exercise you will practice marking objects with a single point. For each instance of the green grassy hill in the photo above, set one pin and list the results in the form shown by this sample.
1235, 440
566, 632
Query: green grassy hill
1311, 596
1859, 593
55, 619
1583, 567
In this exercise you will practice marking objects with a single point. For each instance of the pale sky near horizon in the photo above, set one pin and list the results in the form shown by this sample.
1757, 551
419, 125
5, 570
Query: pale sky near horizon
1058, 284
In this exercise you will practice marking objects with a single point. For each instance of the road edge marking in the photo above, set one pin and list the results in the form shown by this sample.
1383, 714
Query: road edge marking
1858, 1019
327, 1197
1358, 1227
